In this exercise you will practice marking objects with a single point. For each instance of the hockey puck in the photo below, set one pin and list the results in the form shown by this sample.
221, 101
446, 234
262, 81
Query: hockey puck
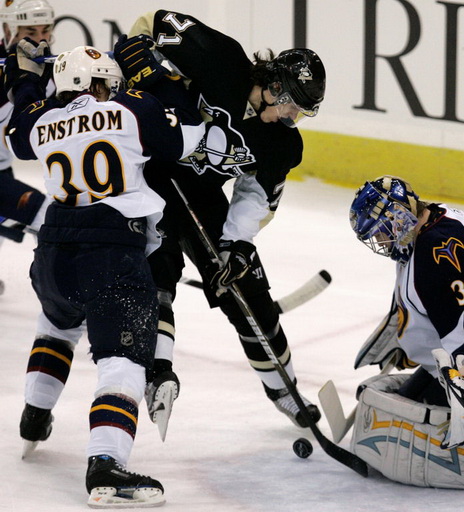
303, 448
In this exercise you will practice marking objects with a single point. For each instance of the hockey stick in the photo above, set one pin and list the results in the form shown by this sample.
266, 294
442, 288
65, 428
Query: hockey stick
343, 456
49, 59
14, 232
333, 409
306, 292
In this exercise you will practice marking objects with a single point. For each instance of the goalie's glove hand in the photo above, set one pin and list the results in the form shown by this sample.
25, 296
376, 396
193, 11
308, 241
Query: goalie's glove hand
137, 62
451, 377
20, 66
235, 259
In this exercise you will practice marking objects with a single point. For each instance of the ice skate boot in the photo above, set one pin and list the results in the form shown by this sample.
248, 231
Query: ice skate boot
160, 395
285, 403
35, 426
112, 486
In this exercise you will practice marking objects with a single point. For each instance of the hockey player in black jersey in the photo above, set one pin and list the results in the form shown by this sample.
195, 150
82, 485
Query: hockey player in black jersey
425, 328
250, 111
90, 267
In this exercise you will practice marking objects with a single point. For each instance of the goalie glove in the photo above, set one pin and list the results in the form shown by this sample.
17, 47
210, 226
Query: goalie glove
451, 377
137, 62
235, 259
20, 66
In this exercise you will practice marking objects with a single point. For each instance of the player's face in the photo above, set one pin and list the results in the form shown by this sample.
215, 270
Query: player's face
34, 32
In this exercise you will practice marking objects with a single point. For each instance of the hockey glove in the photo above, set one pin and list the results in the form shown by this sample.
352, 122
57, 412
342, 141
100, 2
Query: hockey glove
235, 260
137, 62
451, 377
20, 66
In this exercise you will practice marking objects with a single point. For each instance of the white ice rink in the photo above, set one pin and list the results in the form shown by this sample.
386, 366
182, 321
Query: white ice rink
227, 447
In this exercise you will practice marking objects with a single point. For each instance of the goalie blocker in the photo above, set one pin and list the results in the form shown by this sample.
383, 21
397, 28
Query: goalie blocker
401, 438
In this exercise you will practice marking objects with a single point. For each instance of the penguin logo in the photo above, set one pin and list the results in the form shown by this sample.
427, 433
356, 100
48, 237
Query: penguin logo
222, 149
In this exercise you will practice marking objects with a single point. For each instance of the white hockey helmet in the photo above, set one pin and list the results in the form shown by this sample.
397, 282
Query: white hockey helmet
74, 70
25, 13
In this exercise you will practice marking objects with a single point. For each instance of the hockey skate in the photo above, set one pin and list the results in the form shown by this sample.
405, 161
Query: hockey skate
35, 426
285, 403
112, 486
160, 395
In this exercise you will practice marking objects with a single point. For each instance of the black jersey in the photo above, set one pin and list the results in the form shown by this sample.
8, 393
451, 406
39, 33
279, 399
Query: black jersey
430, 289
236, 141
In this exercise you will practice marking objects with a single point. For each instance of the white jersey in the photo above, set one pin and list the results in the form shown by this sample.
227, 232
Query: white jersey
94, 152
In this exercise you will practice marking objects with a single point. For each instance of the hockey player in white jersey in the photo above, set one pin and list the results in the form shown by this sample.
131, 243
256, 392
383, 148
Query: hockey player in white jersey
90, 264
410, 427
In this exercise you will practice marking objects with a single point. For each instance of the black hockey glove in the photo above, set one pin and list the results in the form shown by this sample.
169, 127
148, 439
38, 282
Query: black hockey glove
235, 260
137, 62
20, 66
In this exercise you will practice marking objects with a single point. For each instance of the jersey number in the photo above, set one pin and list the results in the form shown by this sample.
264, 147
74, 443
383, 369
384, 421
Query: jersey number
112, 184
179, 26
458, 288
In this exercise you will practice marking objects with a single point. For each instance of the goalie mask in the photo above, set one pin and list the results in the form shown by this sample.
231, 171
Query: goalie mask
25, 13
297, 82
74, 70
383, 215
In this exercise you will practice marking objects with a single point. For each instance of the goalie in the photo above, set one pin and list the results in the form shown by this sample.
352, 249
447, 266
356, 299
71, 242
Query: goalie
411, 427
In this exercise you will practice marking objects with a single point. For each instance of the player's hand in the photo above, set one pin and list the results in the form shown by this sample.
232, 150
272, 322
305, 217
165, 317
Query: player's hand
137, 62
235, 260
21, 68
451, 377
27, 50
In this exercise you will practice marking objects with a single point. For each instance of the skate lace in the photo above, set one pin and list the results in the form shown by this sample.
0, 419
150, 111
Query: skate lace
289, 404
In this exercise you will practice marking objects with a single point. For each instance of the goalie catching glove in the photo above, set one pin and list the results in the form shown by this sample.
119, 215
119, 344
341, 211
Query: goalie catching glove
451, 377
137, 62
235, 260
20, 66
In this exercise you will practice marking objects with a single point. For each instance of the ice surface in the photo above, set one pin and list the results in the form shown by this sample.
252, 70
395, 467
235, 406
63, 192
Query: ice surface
227, 448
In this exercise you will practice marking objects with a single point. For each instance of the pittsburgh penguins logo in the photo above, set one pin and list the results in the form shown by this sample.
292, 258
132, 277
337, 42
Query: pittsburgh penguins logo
305, 74
222, 149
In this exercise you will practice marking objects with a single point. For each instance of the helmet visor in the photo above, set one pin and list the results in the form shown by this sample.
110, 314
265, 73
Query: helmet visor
290, 113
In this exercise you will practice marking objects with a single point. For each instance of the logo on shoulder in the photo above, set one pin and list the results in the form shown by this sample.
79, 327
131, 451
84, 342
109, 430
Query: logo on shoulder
77, 103
447, 251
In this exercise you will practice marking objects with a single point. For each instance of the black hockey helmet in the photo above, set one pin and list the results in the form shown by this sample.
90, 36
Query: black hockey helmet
299, 72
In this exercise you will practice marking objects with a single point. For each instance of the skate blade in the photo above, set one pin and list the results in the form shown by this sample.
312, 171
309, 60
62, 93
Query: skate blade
28, 448
165, 396
108, 497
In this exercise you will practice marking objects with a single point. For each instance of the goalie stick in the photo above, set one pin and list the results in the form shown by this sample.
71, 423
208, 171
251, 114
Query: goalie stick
341, 455
308, 291
333, 409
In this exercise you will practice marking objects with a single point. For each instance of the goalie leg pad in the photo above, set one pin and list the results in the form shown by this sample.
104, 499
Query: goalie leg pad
401, 438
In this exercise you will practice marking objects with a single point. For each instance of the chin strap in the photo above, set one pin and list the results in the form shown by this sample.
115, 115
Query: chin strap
264, 103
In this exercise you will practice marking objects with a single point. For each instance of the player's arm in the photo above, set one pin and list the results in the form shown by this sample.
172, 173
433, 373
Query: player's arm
439, 260
166, 134
190, 46
25, 84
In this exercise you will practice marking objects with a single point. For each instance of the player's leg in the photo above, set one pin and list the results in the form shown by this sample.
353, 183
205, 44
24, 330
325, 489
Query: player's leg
261, 304
48, 369
121, 323
255, 287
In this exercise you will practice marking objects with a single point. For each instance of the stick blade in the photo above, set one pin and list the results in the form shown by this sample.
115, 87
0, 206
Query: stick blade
333, 410
308, 291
